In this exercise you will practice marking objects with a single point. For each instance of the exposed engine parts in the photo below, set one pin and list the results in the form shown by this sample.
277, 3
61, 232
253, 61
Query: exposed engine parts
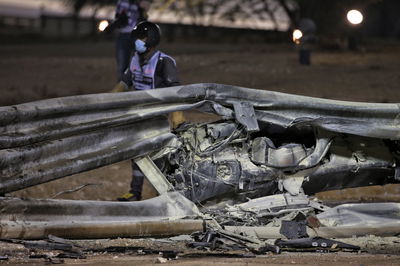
222, 159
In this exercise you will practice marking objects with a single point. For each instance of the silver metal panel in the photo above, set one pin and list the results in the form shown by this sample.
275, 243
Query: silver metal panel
154, 175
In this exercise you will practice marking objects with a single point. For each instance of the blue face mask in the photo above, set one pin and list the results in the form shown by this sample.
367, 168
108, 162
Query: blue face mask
140, 46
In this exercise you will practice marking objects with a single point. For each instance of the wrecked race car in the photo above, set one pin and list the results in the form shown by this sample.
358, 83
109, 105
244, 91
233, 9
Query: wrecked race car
263, 155
223, 159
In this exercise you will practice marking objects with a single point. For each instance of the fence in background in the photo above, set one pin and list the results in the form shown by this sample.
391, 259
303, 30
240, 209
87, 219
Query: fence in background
76, 27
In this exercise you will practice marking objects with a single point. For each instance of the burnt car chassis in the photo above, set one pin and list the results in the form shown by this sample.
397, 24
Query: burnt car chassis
248, 175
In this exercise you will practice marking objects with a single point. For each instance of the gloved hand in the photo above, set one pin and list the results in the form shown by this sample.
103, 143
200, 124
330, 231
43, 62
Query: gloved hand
176, 119
120, 87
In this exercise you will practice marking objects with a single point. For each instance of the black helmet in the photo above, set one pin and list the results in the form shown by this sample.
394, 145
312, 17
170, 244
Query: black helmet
147, 29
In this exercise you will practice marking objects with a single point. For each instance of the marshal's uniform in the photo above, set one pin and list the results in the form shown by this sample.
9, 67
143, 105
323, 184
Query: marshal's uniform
149, 69
157, 72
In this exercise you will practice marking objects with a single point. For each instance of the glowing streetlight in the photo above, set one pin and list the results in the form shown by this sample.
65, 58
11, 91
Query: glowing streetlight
297, 34
355, 17
103, 25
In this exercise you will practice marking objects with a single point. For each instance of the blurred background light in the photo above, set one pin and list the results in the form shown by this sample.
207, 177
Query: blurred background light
103, 25
297, 34
354, 17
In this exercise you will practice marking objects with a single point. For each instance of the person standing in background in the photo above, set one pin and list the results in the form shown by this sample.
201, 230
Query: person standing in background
149, 69
308, 40
128, 14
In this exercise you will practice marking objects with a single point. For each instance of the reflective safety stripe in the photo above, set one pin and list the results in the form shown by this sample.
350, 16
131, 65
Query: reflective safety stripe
143, 77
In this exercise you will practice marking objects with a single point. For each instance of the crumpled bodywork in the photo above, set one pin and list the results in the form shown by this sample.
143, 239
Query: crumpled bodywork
263, 163
50, 139
253, 167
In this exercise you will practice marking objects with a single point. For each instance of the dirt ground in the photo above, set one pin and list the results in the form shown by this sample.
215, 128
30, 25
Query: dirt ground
37, 71
386, 253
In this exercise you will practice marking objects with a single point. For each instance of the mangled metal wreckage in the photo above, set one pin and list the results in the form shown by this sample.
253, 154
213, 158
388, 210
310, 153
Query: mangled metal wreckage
251, 172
